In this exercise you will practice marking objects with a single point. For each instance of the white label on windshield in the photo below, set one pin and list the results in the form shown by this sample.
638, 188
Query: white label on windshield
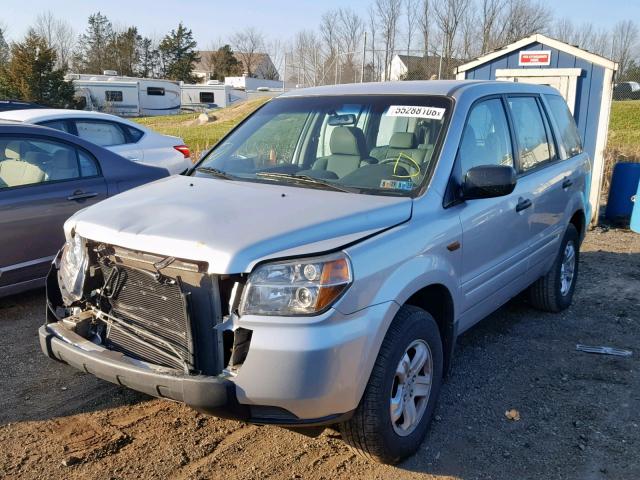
417, 111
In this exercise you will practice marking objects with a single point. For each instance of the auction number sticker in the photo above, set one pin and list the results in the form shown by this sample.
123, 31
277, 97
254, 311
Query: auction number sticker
417, 111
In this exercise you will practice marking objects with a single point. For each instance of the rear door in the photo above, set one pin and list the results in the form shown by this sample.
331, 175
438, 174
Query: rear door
549, 181
495, 230
42, 183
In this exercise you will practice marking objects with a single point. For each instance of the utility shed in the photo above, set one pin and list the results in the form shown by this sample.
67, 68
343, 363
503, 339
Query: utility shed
584, 79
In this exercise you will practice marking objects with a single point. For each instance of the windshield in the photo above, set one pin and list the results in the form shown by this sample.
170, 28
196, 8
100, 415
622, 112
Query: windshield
379, 144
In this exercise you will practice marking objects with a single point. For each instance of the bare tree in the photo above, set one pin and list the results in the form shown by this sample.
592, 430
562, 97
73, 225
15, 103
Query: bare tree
349, 33
387, 12
248, 44
372, 41
448, 16
58, 34
522, 18
489, 18
424, 20
624, 40
410, 10
469, 34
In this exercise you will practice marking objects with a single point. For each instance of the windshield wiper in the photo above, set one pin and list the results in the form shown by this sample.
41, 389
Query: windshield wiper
307, 179
215, 172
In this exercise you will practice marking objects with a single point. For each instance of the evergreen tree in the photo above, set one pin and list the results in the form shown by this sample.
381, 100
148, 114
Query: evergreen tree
126, 50
4, 49
178, 54
30, 74
223, 63
149, 59
95, 53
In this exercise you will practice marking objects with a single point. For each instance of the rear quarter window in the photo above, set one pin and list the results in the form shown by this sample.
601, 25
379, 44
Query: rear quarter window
569, 136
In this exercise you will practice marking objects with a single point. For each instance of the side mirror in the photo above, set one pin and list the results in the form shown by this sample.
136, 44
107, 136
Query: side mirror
488, 181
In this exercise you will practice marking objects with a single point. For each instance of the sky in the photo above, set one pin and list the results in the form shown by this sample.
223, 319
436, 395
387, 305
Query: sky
212, 20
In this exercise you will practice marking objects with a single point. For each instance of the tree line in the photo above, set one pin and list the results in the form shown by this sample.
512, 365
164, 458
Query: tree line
346, 45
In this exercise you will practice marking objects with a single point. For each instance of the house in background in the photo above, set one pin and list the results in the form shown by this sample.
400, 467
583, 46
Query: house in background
262, 67
414, 67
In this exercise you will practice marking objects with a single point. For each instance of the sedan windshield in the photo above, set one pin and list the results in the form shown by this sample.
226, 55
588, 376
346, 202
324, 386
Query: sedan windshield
378, 144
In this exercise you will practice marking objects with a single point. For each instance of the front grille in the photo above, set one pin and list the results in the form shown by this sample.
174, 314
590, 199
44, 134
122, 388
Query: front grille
155, 325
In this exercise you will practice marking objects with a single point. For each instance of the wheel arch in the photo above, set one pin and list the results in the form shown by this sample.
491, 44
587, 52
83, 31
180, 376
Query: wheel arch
578, 220
437, 300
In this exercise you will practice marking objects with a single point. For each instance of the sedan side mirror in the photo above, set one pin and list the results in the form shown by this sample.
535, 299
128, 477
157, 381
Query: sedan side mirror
488, 181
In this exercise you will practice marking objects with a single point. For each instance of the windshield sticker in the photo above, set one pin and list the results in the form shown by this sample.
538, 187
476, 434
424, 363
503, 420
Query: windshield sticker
397, 184
416, 111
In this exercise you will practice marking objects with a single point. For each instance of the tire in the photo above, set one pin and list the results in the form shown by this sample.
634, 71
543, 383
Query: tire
371, 432
548, 292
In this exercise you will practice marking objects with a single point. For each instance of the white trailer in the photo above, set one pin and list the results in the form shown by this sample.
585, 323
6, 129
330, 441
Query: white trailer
127, 96
212, 94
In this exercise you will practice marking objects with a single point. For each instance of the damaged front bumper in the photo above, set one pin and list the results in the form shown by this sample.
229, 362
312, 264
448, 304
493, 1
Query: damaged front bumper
213, 395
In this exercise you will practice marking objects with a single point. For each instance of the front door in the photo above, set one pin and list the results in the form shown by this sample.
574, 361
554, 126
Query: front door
42, 183
495, 231
565, 80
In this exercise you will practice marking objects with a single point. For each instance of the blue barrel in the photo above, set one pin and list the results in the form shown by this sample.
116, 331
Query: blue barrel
624, 184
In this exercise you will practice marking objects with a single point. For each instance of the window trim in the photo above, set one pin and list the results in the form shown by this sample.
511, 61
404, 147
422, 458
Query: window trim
75, 147
540, 165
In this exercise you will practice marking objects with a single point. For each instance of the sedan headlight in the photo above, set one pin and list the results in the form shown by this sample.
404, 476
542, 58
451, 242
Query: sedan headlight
73, 266
297, 287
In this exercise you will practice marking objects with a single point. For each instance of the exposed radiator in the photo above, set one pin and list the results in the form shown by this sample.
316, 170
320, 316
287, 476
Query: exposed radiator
155, 323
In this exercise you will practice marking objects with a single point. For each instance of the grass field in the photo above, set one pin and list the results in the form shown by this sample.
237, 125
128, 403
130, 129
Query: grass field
200, 137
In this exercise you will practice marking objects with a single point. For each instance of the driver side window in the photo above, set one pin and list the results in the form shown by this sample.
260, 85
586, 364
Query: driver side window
486, 139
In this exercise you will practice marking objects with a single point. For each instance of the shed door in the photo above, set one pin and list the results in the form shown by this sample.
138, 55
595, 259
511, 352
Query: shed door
564, 80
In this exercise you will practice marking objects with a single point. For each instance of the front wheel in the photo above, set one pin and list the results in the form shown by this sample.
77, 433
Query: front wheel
554, 291
398, 402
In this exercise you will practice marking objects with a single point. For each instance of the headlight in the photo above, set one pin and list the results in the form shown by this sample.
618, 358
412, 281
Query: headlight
297, 287
73, 266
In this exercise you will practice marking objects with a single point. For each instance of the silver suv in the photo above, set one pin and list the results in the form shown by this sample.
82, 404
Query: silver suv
318, 264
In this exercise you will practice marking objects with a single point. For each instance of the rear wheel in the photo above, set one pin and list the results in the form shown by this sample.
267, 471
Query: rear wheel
397, 405
554, 291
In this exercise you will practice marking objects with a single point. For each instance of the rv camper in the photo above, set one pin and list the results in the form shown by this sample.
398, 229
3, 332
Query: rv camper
212, 94
126, 96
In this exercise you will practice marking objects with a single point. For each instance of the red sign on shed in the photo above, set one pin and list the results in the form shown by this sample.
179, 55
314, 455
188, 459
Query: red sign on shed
534, 58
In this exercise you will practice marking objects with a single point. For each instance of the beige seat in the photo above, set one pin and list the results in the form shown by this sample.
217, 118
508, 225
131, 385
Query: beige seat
14, 173
14, 150
405, 143
348, 152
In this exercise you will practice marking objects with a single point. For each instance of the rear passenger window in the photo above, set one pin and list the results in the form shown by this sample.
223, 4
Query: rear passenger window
101, 133
569, 136
88, 165
486, 139
534, 141
134, 133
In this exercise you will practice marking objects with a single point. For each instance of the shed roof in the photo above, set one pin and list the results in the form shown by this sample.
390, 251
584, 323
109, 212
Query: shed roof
539, 38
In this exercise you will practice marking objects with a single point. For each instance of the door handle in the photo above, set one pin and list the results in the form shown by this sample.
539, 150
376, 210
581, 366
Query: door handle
523, 204
567, 182
80, 195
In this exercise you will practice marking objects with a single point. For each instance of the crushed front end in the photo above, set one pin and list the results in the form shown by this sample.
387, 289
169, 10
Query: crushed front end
147, 322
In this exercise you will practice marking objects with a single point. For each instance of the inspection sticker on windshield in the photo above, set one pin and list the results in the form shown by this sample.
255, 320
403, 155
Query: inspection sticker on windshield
417, 111
397, 184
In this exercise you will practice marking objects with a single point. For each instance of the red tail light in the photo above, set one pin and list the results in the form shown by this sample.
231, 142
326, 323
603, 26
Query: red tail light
184, 150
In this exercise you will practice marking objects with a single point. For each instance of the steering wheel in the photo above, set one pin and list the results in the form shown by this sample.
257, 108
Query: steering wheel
405, 161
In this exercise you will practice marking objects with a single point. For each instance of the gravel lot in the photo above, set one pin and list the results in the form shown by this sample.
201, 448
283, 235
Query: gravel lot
579, 412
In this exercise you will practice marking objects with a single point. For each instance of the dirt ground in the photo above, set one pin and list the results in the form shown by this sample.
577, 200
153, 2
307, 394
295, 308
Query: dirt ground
579, 412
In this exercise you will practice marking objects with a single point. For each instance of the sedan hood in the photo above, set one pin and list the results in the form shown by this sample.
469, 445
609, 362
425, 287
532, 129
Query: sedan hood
233, 225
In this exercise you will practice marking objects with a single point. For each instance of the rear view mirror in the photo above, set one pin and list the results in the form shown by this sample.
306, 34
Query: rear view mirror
342, 120
488, 181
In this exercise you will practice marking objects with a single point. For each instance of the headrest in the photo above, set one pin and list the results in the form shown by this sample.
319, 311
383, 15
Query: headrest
13, 150
402, 140
347, 141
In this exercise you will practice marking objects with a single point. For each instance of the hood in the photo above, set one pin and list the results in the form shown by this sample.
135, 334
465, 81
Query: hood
233, 225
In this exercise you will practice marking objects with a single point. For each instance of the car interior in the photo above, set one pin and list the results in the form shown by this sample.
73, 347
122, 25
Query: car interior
27, 162
355, 146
